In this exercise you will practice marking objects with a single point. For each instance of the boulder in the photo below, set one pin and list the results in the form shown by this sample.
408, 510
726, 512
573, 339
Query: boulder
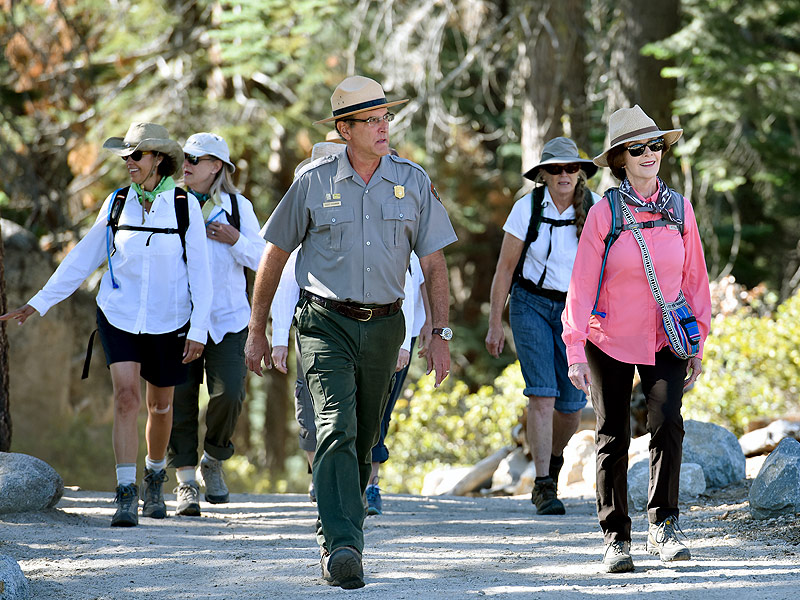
765, 440
27, 484
716, 450
578, 454
441, 481
507, 475
692, 482
776, 488
13, 585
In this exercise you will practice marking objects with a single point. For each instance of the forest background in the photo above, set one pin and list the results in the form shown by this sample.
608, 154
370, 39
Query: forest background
489, 82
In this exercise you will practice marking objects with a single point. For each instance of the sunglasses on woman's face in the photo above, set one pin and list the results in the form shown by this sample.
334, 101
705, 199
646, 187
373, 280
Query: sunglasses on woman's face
136, 156
193, 160
571, 168
656, 145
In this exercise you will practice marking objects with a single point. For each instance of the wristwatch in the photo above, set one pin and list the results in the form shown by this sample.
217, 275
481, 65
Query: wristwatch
445, 332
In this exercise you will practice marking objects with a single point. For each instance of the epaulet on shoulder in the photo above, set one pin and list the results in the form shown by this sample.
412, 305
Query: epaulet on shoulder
405, 161
318, 162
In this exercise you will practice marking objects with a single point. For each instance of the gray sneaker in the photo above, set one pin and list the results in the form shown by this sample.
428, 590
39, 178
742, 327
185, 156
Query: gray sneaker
127, 501
188, 499
216, 490
617, 558
662, 540
153, 504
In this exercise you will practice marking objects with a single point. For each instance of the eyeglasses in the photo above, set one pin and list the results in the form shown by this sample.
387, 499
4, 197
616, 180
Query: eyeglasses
571, 168
655, 145
135, 155
373, 121
193, 160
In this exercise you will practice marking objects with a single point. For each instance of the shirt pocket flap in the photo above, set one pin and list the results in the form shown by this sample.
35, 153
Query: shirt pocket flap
398, 211
333, 215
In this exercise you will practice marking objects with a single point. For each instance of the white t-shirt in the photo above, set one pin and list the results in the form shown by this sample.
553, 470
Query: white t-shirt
563, 242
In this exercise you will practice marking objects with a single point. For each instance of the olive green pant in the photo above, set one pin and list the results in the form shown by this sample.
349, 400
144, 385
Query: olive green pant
349, 367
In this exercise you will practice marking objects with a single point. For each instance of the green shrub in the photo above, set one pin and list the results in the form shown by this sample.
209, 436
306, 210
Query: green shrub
433, 428
751, 369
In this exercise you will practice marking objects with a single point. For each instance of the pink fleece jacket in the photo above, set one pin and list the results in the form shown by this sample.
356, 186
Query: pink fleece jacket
632, 330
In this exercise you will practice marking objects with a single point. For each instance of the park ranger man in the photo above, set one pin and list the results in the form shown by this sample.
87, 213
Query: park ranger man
358, 215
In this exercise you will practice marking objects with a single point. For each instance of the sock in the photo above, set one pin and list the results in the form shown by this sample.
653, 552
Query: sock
541, 479
209, 459
556, 462
155, 465
186, 475
126, 473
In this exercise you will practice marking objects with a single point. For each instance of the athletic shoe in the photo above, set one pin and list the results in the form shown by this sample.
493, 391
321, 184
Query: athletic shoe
545, 498
188, 499
216, 490
374, 502
312, 492
617, 558
127, 501
342, 567
153, 504
662, 540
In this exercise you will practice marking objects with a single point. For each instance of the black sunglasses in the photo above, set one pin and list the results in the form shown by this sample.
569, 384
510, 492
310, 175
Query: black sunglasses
193, 160
655, 145
136, 155
571, 168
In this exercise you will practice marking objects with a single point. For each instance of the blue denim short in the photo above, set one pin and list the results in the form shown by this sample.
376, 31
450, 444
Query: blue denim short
536, 325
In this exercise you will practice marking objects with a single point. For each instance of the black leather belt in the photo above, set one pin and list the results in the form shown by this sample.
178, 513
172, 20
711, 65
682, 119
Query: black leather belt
359, 312
531, 287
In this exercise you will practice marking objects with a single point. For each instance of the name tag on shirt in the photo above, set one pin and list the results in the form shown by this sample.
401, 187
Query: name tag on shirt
331, 204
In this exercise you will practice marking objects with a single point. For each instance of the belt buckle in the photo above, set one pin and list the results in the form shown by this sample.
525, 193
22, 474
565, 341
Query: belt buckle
368, 318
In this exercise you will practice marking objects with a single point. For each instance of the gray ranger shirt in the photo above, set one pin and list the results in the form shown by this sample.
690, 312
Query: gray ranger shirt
357, 238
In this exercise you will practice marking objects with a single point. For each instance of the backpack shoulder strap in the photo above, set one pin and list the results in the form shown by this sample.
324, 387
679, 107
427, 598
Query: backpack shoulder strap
677, 201
588, 201
537, 197
182, 216
612, 195
115, 210
236, 219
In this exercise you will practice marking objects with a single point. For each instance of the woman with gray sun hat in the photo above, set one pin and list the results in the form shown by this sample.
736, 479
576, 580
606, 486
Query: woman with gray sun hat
614, 323
535, 263
152, 307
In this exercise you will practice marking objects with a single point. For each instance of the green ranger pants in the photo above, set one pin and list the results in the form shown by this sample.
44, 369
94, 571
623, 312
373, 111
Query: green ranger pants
349, 366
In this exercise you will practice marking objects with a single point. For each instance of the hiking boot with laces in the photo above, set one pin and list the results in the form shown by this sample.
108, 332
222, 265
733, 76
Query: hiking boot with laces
663, 541
545, 498
342, 567
374, 501
617, 557
188, 499
153, 504
216, 490
127, 501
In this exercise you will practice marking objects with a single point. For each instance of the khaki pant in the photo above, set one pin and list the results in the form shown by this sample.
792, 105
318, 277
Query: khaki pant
349, 368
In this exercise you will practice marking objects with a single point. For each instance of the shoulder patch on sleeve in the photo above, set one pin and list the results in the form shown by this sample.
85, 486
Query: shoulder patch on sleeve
435, 195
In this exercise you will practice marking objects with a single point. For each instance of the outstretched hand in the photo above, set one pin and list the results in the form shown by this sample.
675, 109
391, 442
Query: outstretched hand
20, 314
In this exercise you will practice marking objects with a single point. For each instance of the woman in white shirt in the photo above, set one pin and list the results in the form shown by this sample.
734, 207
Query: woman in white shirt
234, 244
153, 304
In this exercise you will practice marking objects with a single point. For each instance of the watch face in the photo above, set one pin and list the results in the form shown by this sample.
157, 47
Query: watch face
447, 333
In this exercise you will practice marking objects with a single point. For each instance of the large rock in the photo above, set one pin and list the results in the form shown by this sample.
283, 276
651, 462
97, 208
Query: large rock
13, 585
692, 482
766, 439
578, 455
716, 450
776, 489
27, 484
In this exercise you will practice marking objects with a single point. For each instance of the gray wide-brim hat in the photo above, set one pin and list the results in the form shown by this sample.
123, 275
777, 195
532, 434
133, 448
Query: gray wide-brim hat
561, 151
633, 125
146, 136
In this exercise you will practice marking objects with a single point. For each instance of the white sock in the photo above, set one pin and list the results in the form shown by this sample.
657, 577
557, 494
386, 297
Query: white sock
126, 473
186, 475
155, 465
209, 459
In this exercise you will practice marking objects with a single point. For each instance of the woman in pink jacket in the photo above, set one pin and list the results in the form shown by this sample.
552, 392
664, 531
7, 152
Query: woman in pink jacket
617, 328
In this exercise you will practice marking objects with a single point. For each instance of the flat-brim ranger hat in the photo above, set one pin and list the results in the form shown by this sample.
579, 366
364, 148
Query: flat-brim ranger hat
633, 125
203, 143
146, 136
561, 151
355, 95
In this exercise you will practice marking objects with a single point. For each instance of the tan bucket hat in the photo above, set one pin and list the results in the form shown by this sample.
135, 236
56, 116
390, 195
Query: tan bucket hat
561, 151
146, 136
355, 95
632, 125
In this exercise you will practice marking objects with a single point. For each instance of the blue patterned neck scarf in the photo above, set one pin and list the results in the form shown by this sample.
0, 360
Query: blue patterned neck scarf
663, 204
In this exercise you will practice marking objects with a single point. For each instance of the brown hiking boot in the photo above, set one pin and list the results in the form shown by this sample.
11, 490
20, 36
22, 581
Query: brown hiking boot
342, 567
545, 498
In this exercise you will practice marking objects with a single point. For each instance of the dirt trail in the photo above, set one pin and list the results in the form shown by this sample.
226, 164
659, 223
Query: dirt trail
261, 546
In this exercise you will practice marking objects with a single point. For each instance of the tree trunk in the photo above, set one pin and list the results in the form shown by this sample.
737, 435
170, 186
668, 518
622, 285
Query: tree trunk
5, 407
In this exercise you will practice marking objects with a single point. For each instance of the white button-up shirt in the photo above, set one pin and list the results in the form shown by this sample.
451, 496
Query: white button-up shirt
157, 292
230, 309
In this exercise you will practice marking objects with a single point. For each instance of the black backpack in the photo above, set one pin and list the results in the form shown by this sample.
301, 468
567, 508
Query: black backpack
537, 198
618, 226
